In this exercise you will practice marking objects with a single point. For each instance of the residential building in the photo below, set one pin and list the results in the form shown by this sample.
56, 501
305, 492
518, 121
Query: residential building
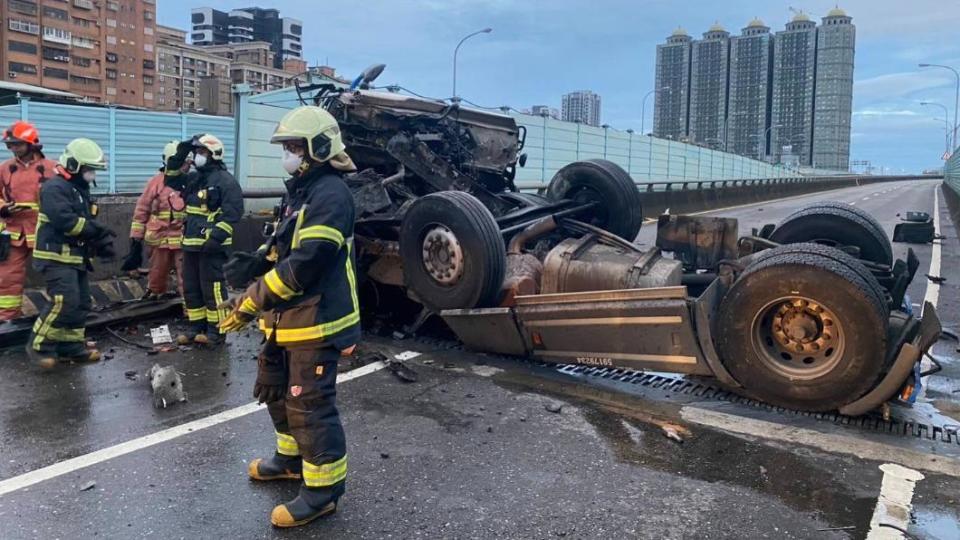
709, 63
749, 104
582, 107
190, 78
794, 70
672, 90
101, 50
833, 107
544, 110
215, 27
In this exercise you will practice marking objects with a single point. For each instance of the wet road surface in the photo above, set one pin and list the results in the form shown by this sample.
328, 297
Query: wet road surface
472, 449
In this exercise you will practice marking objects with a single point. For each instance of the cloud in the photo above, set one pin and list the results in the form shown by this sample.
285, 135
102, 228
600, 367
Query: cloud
901, 85
884, 112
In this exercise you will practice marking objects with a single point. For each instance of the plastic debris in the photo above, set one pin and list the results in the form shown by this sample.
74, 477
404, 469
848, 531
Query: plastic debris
675, 432
160, 335
88, 486
167, 386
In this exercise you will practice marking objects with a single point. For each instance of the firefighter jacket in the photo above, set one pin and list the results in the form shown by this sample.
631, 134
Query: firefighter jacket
66, 222
310, 295
158, 216
20, 184
214, 205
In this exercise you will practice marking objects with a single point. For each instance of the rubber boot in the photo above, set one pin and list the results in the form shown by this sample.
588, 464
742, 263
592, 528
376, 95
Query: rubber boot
298, 512
190, 336
88, 357
275, 467
215, 338
46, 361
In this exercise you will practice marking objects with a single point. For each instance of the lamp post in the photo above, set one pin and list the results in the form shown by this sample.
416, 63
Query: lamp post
946, 115
762, 143
643, 106
946, 134
455, 51
956, 99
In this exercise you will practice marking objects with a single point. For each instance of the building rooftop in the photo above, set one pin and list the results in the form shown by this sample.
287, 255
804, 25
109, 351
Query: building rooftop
756, 23
837, 12
717, 27
679, 32
29, 89
801, 17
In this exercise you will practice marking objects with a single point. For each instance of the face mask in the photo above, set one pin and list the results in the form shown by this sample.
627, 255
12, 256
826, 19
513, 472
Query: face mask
200, 160
90, 176
291, 162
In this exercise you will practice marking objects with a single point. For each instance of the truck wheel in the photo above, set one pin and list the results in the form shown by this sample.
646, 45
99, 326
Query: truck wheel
597, 180
528, 199
804, 327
452, 252
837, 224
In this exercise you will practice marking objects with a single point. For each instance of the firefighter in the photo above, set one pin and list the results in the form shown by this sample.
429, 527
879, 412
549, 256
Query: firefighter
68, 237
214, 205
310, 315
20, 178
158, 222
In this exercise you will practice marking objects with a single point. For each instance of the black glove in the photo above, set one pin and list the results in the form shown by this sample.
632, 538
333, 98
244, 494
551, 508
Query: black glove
211, 246
6, 210
103, 245
243, 267
135, 257
271, 382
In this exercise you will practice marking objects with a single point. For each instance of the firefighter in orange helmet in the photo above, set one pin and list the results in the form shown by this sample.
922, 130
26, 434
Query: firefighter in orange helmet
20, 178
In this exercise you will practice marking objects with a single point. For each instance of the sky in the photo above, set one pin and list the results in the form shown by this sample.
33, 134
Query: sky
541, 49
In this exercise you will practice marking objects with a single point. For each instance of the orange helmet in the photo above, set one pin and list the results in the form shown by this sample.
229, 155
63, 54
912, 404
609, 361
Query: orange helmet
22, 132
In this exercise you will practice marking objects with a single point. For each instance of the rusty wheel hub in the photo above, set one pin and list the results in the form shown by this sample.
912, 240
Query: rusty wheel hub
798, 337
443, 255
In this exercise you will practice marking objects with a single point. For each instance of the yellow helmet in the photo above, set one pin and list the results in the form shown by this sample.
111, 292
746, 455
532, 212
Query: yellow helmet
315, 125
169, 150
82, 152
211, 143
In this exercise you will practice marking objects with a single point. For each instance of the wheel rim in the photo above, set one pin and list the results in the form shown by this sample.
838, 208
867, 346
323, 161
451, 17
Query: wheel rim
798, 338
442, 255
598, 214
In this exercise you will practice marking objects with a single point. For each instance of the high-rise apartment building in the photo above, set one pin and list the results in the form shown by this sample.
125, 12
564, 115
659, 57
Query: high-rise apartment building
672, 91
709, 59
794, 77
582, 107
833, 107
748, 108
101, 50
215, 27
545, 111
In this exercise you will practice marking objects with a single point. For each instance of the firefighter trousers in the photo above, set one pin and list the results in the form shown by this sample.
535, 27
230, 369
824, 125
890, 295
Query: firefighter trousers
13, 274
162, 260
60, 327
204, 289
306, 420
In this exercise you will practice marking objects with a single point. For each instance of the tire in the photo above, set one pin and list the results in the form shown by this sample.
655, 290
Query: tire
843, 325
528, 199
461, 223
837, 224
597, 180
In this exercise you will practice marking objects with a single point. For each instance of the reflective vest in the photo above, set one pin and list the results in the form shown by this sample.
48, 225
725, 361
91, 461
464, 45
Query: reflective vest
158, 216
65, 222
214, 206
20, 184
310, 295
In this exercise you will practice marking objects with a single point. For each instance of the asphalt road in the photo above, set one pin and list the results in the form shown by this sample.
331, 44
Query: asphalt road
470, 450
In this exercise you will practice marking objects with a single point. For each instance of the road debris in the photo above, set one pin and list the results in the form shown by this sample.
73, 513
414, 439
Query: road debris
675, 432
131, 374
167, 386
555, 408
936, 279
161, 335
88, 486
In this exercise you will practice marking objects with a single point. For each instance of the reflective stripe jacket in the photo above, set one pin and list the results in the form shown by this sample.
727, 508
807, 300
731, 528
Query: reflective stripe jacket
66, 221
20, 184
158, 216
214, 205
310, 295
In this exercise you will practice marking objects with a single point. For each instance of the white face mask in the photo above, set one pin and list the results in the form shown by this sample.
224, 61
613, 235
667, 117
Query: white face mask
200, 160
90, 176
291, 162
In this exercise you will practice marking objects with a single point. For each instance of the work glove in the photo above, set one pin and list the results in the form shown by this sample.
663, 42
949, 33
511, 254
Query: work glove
243, 267
271, 383
211, 246
103, 245
135, 257
242, 311
9, 209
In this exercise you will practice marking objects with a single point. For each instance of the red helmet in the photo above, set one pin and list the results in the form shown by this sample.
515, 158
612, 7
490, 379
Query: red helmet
22, 132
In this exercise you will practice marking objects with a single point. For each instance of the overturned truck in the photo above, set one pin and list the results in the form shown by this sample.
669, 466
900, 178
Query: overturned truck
808, 314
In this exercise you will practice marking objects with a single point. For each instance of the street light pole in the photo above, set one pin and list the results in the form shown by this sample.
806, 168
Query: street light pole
946, 115
762, 143
946, 135
457, 50
643, 107
956, 99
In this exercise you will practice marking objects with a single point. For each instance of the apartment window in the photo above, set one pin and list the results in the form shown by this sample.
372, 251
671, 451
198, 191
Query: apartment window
148, 95
84, 81
22, 6
148, 31
85, 23
149, 64
112, 40
26, 27
83, 42
57, 55
112, 57
148, 80
111, 23
82, 62
56, 35
147, 47
56, 73
17, 67
21, 47
113, 6
84, 4
148, 15
111, 91
111, 73
54, 13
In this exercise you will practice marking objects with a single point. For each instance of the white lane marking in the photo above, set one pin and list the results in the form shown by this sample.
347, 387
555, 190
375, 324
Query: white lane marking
57, 469
865, 199
894, 502
831, 442
792, 197
933, 289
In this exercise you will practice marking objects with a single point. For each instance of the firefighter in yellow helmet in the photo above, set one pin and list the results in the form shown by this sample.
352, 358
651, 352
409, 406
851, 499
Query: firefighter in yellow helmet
68, 238
214, 205
309, 312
